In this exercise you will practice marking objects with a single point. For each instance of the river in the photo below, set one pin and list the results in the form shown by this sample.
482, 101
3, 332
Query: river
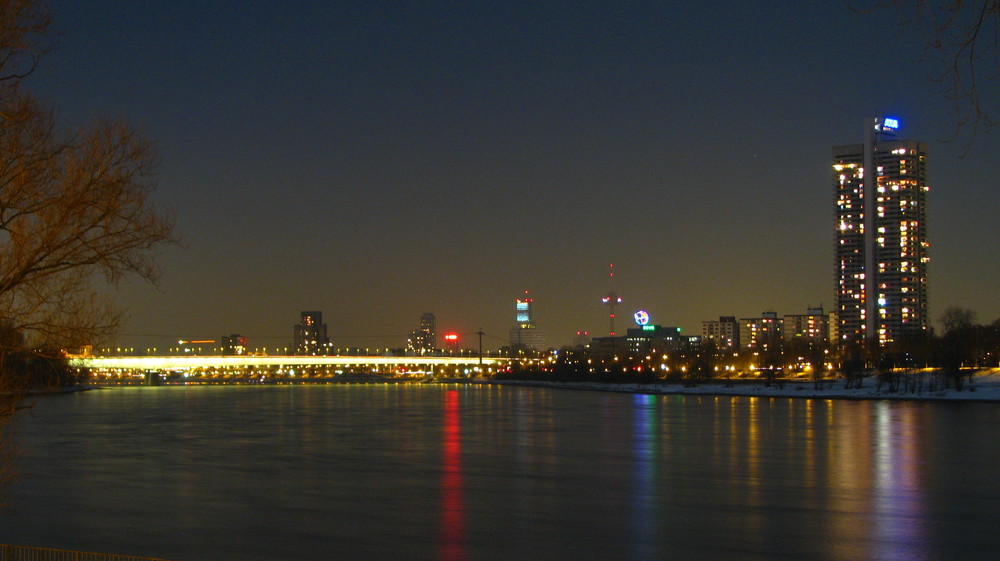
477, 472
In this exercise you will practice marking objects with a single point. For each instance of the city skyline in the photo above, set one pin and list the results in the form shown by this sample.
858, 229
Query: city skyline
376, 163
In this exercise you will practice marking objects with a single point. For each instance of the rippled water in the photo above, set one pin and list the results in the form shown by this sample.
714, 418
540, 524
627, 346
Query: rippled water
450, 472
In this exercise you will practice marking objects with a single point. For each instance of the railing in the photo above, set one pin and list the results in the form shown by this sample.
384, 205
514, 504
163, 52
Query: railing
25, 553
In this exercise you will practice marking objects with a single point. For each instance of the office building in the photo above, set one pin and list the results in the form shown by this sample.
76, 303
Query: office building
646, 339
641, 341
880, 196
423, 339
309, 335
234, 344
525, 334
451, 343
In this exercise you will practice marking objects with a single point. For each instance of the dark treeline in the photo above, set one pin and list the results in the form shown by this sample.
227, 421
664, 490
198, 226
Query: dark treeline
24, 369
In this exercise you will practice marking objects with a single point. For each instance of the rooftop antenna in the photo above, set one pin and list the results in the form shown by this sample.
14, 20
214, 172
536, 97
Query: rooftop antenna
611, 299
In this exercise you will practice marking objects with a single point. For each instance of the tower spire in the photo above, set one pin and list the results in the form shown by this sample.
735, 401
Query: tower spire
611, 299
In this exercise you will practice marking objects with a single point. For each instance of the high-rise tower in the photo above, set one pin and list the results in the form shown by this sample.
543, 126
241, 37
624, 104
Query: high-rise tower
423, 339
309, 335
525, 334
880, 195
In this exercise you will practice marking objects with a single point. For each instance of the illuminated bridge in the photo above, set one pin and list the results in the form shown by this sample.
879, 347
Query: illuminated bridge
285, 366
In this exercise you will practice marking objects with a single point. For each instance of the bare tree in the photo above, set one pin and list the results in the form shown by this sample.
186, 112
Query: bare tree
74, 204
962, 45
23, 27
71, 206
74, 207
954, 318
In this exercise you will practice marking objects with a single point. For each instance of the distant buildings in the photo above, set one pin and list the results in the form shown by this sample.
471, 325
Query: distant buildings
641, 341
881, 257
725, 333
650, 338
451, 343
423, 339
309, 335
525, 334
880, 196
812, 326
234, 345
760, 332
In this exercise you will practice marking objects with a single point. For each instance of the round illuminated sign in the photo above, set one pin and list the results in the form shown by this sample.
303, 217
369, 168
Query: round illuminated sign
641, 317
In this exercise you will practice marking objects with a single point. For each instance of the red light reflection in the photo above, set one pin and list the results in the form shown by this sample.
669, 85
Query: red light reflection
452, 544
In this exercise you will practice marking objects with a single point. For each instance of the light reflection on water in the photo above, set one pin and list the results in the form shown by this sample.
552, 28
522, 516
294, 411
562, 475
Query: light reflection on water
645, 521
452, 508
898, 497
468, 472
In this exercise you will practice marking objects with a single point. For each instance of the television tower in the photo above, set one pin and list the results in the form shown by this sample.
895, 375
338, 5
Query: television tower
611, 299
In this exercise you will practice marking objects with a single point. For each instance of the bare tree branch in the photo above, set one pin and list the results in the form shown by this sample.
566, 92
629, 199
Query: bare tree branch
23, 26
962, 49
74, 204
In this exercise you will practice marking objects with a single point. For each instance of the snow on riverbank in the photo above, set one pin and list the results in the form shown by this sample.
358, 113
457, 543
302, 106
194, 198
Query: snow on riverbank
984, 387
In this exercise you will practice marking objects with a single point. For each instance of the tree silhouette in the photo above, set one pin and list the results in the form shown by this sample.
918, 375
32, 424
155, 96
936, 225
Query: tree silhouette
74, 206
962, 51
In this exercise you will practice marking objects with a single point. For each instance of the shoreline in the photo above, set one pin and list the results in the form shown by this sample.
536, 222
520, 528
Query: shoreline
983, 389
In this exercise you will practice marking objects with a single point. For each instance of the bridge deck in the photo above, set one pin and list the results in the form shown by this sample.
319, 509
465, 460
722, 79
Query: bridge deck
188, 362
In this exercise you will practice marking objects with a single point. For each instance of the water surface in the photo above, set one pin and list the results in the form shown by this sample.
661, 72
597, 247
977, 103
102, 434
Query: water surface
453, 472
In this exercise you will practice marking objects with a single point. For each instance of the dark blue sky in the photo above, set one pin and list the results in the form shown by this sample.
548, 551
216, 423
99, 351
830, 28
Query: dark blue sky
376, 161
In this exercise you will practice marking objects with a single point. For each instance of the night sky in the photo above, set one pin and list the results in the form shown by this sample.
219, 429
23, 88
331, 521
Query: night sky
379, 160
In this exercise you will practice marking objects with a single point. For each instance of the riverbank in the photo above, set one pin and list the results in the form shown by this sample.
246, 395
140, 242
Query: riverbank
984, 386
57, 390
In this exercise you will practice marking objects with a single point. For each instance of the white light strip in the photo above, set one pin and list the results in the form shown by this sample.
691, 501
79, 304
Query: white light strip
169, 362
